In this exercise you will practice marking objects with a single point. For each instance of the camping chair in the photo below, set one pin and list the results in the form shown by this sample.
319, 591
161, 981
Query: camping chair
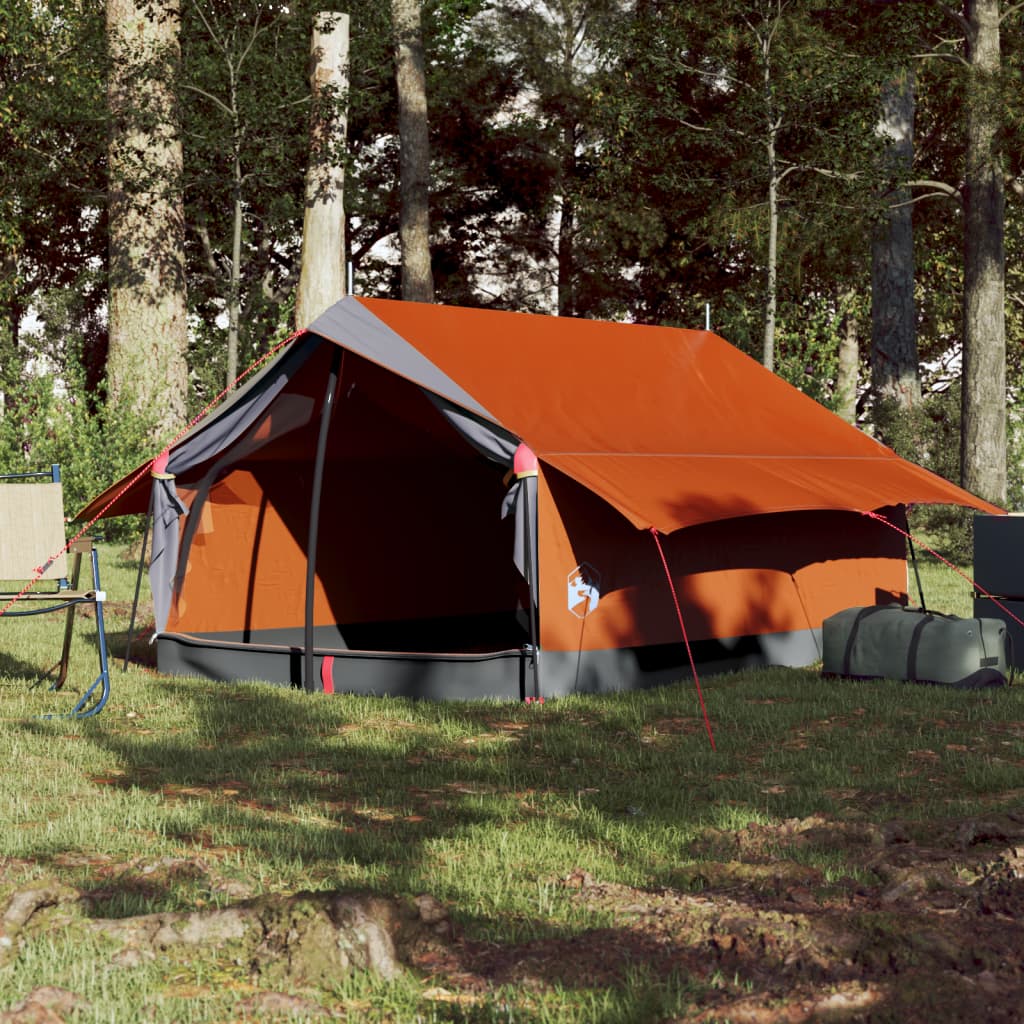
33, 548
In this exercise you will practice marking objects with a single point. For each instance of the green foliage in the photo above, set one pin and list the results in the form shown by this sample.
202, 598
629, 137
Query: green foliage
930, 436
716, 87
50, 414
52, 136
646, 122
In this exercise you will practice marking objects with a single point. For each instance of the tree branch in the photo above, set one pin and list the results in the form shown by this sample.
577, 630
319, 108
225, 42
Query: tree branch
1010, 12
209, 95
953, 58
938, 187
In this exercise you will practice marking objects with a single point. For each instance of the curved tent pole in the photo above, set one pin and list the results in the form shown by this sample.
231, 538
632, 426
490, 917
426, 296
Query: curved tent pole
308, 681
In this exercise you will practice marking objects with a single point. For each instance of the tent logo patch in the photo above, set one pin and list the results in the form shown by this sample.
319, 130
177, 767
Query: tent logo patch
584, 590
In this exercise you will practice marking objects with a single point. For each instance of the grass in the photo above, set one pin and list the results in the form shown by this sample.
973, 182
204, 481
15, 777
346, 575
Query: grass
487, 806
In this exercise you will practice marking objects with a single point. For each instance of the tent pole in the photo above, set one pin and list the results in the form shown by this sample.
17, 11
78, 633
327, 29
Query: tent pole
138, 583
531, 584
917, 574
308, 682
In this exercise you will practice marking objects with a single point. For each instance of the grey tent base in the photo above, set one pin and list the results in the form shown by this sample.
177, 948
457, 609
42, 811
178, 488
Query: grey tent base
497, 675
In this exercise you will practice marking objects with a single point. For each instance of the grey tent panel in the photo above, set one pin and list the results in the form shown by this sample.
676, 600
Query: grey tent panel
494, 675
239, 414
350, 324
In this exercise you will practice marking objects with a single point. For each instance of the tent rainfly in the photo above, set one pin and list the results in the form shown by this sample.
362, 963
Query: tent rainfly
440, 502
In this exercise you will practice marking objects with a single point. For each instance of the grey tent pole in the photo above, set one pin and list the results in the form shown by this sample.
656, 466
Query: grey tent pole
138, 583
326, 409
531, 584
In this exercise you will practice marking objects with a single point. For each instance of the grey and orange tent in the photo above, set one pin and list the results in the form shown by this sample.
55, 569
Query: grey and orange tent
458, 503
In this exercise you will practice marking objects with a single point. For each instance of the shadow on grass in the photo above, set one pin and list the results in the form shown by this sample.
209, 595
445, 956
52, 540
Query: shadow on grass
397, 795
21, 673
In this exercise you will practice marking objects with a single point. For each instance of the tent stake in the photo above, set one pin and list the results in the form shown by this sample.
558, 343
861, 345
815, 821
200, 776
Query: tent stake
309, 682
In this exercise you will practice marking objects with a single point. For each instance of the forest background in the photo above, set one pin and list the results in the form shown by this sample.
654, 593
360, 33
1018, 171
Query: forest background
836, 186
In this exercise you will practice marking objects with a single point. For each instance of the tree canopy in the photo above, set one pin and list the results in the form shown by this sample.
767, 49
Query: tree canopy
635, 159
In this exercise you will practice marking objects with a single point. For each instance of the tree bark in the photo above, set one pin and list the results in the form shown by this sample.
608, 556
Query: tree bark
849, 364
414, 224
322, 281
773, 123
983, 411
147, 373
895, 373
772, 282
567, 227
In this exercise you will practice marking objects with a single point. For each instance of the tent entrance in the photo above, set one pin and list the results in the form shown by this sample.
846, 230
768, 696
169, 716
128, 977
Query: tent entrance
413, 556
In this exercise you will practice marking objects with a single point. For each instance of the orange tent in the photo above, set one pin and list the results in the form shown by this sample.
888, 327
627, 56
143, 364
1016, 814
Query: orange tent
434, 501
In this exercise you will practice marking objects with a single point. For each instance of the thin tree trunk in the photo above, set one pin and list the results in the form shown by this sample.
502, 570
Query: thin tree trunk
983, 415
895, 374
322, 280
235, 280
414, 225
772, 124
849, 363
567, 228
147, 371
771, 296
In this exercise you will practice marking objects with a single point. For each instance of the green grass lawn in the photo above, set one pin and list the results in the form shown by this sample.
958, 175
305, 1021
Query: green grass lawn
486, 806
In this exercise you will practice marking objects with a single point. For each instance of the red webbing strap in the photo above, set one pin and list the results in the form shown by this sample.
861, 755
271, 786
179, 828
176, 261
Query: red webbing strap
327, 673
686, 639
147, 468
924, 547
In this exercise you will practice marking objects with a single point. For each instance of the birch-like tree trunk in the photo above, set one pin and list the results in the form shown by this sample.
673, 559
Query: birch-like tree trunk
147, 373
848, 368
772, 273
322, 281
983, 415
765, 36
567, 227
895, 374
414, 224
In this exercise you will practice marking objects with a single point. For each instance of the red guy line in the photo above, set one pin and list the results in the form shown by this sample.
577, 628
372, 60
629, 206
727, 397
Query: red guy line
686, 639
924, 547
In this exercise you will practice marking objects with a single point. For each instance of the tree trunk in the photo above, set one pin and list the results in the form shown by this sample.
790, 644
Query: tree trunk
895, 376
414, 229
849, 364
567, 227
322, 281
983, 417
771, 285
772, 126
235, 274
147, 373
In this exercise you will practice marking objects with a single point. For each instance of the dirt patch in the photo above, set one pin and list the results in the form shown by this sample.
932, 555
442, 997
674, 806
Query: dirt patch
931, 929
935, 934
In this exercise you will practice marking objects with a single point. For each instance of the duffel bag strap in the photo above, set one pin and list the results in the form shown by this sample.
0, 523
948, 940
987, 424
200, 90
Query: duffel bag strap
915, 643
854, 630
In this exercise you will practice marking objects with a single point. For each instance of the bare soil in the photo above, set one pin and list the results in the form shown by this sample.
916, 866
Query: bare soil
931, 930
935, 933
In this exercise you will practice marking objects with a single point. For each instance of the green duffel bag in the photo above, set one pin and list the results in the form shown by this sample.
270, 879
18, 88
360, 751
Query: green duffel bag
893, 642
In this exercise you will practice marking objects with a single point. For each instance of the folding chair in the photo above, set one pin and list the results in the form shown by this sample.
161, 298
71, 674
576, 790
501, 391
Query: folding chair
33, 548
